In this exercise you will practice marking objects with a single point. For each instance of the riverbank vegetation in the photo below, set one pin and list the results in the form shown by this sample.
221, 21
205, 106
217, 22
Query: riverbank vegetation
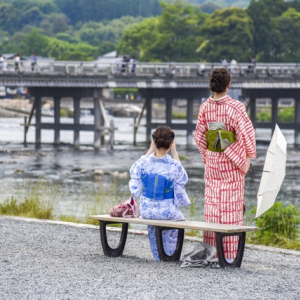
278, 227
285, 115
152, 30
39, 199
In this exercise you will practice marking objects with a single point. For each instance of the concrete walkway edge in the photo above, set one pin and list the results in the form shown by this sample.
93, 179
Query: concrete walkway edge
142, 232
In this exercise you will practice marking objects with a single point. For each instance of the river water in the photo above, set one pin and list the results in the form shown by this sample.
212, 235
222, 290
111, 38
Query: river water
66, 178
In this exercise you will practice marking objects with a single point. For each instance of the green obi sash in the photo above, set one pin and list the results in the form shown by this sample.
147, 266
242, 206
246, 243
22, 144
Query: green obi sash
218, 138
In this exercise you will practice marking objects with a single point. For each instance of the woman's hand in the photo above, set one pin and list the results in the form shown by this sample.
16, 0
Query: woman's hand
174, 151
152, 148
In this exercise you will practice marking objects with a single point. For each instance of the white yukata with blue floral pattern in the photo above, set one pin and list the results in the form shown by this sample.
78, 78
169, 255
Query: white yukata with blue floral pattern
164, 209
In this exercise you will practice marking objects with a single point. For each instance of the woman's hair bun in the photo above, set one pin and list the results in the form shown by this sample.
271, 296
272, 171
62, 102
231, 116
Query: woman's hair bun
219, 80
163, 137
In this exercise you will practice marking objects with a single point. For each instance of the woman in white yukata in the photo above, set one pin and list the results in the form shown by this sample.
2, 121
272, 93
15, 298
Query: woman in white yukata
159, 181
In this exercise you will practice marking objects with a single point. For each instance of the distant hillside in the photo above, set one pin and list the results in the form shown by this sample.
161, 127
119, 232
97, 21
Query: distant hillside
219, 3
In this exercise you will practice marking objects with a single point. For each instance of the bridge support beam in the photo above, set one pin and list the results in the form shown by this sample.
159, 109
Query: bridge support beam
76, 116
97, 124
56, 119
189, 113
274, 113
169, 102
297, 122
169, 95
148, 119
77, 94
38, 119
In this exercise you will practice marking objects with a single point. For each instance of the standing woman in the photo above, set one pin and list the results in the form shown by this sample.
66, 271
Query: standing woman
226, 140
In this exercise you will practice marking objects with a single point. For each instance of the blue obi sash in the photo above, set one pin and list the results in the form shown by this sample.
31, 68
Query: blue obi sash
157, 187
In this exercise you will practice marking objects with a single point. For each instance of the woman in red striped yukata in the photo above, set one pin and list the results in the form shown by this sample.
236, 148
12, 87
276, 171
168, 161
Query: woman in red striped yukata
226, 140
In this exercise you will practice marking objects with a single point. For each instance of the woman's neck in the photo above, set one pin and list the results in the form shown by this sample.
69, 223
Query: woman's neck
219, 95
161, 152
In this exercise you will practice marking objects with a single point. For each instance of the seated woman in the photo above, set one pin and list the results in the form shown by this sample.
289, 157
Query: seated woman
159, 180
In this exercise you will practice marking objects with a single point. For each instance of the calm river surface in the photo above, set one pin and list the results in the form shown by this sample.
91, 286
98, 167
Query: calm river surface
66, 178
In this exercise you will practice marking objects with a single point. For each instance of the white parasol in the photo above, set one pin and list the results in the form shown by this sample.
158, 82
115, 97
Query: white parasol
273, 172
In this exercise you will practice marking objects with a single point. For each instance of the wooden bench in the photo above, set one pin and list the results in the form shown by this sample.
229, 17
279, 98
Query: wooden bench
221, 231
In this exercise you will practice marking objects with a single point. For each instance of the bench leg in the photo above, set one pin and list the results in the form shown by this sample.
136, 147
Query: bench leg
160, 247
108, 251
240, 251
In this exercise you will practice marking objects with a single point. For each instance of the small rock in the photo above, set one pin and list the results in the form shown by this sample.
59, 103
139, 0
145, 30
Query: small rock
100, 172
120, 175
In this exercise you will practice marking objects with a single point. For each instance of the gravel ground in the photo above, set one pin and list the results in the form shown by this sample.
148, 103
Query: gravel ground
40, 260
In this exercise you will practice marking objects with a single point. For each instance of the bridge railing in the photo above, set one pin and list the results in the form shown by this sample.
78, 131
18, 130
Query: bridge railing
172, 69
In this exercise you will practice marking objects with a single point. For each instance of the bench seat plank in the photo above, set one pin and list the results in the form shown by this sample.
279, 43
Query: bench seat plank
178, 224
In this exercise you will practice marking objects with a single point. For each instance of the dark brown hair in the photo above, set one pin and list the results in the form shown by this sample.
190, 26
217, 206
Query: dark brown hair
219, 80
163, 137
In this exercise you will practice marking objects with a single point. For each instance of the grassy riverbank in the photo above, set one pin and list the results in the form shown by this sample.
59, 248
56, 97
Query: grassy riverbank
279, 227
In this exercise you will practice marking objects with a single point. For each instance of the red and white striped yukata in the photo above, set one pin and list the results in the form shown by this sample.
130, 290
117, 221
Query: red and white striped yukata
225, 171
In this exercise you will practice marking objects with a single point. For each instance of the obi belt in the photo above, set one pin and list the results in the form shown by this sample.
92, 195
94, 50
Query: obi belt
218, 137
157, 187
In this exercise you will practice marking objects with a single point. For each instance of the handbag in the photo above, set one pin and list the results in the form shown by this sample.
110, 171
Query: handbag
127, 209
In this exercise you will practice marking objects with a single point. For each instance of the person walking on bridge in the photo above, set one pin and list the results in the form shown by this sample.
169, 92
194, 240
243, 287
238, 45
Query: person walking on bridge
226, 140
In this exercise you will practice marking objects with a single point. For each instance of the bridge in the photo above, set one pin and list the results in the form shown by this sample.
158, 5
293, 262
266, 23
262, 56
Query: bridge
79, 80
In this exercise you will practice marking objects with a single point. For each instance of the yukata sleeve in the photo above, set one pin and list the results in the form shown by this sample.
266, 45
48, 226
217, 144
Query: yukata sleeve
244, 148
180, 196
199, 136
135, 183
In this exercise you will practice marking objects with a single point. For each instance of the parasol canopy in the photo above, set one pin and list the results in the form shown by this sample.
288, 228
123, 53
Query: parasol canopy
273, 172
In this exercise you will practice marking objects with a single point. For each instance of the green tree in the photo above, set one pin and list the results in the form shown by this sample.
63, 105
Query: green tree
99, 10
35, 42
261, 13
63, 50
9, 18
95, 33
173, 36
285, 47
227, 34
140, 40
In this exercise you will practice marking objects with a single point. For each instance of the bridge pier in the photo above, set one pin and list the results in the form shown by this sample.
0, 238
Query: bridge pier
38, 119
77, 94
148, 119
275, 95
76, 116
297, 121
169, 95
189, 113
56, 120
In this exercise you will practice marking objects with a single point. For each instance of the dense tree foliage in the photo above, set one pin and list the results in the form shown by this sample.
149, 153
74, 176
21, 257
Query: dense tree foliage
227, 34
225, 3
98, 10
285, 47
152, 30
173, 36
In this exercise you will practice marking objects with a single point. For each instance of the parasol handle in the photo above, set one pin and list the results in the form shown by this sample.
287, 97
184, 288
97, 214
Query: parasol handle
259, 170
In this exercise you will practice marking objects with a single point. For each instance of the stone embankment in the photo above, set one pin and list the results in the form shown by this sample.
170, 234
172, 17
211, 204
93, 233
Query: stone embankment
54, 260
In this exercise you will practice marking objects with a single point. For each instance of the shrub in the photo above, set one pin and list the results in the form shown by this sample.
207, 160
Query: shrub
287, 115
279, 227
263, 116
31, 208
